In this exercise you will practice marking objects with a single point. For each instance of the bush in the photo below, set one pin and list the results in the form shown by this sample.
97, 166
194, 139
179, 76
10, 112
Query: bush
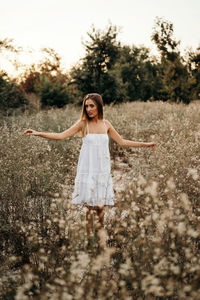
11, 96
52, 92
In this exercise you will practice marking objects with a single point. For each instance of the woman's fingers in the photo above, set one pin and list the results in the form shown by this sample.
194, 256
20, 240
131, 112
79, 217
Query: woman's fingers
29, 131
154, 145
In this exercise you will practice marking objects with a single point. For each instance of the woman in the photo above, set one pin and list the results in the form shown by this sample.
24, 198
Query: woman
93, 182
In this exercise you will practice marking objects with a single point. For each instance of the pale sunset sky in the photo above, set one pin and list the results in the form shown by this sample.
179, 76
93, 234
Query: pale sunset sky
63, 25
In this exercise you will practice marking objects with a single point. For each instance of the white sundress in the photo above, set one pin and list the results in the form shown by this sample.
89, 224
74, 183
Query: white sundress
93, 182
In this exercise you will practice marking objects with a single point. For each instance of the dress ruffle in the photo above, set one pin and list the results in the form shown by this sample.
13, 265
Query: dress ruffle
94, 190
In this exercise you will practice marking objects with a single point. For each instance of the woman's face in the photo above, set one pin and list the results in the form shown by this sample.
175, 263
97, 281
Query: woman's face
91, 108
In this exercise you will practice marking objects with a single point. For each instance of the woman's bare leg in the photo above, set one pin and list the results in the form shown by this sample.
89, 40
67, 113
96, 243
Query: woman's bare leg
100, 214
89, 218
88, 221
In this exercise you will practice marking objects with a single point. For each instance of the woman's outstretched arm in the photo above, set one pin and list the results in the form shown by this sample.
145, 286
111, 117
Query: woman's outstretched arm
56, 136
126, 143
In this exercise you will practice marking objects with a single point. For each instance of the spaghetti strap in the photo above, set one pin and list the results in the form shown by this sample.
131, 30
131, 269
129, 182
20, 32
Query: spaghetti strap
87, 128
105, 126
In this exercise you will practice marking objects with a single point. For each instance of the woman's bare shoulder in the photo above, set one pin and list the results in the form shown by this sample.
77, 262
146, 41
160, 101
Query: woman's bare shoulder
80, 123
108, 124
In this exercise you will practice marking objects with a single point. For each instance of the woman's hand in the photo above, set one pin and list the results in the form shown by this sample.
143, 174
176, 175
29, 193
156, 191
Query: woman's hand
31, 132
151, 145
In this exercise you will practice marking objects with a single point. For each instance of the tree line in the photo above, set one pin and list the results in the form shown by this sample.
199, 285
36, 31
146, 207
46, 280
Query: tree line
117, 72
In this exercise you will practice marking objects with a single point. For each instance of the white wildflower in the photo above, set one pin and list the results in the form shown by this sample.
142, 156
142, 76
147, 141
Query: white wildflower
181, 228
193, 173
155, 216
62, 223
152, 189
103, 237
124, 214
124, 269
53, 206
175, 269
66, 296
187, 288
185, 201
188, 253
191, 232
141, 180
170, 184
60, 281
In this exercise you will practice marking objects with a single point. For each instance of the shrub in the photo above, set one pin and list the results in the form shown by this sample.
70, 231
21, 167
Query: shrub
52, 93
11, 96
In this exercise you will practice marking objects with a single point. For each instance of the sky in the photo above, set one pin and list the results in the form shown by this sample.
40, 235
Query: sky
63, 25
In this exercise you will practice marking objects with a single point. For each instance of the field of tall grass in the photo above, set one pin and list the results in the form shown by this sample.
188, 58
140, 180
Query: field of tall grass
150, 245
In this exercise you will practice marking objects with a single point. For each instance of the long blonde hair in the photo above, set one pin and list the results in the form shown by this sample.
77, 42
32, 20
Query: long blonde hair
84, 116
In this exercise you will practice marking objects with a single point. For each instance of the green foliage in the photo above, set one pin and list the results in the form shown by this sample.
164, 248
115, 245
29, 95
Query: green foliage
11, 96
173, 71
194, 69
47, 81
176, 84
93, 73
118, 73
136, 73
130, 73
162, 36
30, 77
52, 93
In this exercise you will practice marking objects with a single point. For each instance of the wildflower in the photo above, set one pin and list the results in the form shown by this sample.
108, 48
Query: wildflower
60, 281
13, 258
103, 237
124, 268
44, 258
187, 288
152, 189
53, 206
155, 216
56, 195
62, 223
122, 283
193, 173
191, 232
175, 269
181, 228
66, 296
141, 180
185, 201
170, 184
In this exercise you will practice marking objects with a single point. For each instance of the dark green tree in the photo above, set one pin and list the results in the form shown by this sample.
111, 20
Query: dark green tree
93, 73
136, 73
173, 70
194, 69
52, 92
11, 95
48, 81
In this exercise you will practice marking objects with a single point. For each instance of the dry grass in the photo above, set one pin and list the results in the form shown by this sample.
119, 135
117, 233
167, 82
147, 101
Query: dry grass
149, 248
